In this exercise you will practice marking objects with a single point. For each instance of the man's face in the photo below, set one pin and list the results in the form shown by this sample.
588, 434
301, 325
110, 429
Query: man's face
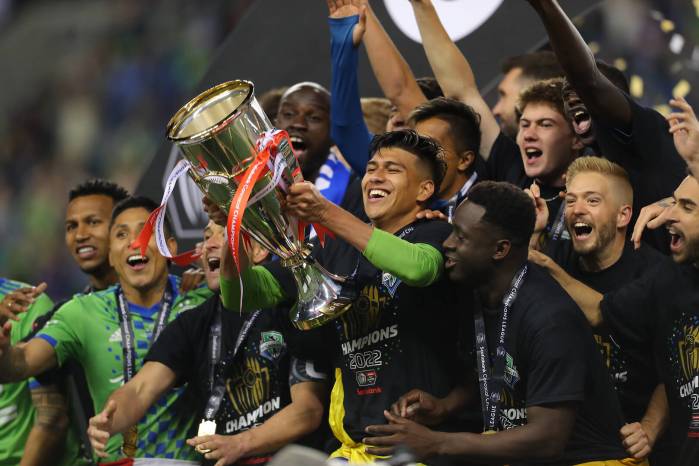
440, 131
211, 253
395, 122
87, 231
577, 114
135, 271
469, 248
546, 142
508, 91
305, 115
394, 185
592, 213
683, 222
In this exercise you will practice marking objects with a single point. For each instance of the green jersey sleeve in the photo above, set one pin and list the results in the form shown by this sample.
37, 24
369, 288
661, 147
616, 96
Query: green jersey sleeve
65, 330
260, 290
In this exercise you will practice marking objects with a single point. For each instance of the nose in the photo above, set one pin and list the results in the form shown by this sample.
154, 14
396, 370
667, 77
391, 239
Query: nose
497, 109
528, 133
299, 122
82, 232
579, 207
448, 243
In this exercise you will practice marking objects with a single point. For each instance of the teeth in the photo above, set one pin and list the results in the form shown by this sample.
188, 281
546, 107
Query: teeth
214, 263
581, 225
377, 193
85, 249
136, 259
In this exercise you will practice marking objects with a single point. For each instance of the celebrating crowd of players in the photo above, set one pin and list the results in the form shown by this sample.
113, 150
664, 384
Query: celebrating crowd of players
516, 302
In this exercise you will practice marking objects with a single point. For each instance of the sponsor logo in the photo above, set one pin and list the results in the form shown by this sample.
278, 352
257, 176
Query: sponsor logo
366, 378
272, 345
459, 17
369, 391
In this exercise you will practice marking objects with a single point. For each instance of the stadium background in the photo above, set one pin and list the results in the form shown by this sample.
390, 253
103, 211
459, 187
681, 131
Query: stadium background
87, 87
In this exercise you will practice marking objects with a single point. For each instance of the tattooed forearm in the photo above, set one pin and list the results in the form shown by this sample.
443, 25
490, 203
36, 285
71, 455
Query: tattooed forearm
51, 408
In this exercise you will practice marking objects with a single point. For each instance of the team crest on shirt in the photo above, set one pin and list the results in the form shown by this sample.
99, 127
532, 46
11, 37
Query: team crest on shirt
272, 345
390, 282
511, 373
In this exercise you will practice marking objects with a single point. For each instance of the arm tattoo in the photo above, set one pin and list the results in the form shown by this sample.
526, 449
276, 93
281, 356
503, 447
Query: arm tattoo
51, 408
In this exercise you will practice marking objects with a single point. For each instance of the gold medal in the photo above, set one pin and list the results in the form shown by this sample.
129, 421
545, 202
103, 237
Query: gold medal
206, 428
129, 441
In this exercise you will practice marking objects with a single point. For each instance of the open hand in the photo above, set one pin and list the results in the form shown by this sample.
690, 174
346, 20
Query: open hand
652, 216
19, 301
100, 428
345, 8
684, 127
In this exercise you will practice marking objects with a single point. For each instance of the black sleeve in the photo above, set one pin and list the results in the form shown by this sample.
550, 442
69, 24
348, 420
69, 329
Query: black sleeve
285, 279
432, 232
557, 360
628, 311
505, 161
181, 343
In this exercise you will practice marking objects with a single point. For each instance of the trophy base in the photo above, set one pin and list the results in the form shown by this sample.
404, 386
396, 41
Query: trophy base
307, 319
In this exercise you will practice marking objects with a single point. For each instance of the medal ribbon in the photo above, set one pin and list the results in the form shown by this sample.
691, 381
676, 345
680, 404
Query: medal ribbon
490, 377
559, 224
156, 221
218, 389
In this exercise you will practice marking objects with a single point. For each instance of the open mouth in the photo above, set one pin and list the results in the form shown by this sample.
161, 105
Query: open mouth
214, 263
582, 231
376, 194
448, 262
582, 123
676, 240
532, 154
137, 261
298, 144
86, 252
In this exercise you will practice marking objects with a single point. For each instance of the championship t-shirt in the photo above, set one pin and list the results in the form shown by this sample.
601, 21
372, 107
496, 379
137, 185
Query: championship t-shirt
662, 309
631, 366
87, 330
649, 156
505, 164
394, 338
257, 379
551, 358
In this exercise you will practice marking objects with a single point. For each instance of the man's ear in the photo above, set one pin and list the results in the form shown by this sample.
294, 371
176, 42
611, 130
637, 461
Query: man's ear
502, 249
623, 217
426, 190
466, 160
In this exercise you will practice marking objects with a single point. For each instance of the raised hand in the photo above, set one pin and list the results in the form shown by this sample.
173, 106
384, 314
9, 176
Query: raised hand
100, 429
215, 213
345, 8
652, 216
305, 202
684, 127
19, 301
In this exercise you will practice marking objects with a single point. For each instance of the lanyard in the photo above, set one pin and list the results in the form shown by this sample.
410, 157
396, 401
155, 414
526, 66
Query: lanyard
559, 223
127, 336
456, 200
217, 386
490, 377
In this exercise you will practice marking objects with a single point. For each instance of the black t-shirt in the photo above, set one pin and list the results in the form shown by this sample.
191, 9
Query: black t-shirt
352, 201
630, 366
394, 337
505, 164
662, 309
551, 358
257, 380
649, 156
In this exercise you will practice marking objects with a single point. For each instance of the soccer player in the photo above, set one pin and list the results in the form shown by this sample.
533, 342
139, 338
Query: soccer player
33, 422
598, 206
545, 393
385, 344
267, 398
110, 331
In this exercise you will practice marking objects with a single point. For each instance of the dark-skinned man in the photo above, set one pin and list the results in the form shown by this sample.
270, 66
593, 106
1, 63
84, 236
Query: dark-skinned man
384, 345
109, 333
266, 398
528, 345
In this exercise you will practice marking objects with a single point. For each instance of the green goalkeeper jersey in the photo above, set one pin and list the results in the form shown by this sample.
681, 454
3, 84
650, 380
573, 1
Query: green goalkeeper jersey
16, 409
87, 329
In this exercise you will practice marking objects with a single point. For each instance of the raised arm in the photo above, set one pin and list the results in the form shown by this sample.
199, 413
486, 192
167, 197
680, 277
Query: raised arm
129, 403
390, 68
347, 126
684, 127
452, 70
602, 98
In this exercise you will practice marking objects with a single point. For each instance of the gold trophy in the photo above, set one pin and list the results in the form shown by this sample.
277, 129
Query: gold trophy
222, 133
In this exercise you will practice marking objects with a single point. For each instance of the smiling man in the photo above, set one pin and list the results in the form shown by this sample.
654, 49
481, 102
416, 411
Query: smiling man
385, 344
109, 332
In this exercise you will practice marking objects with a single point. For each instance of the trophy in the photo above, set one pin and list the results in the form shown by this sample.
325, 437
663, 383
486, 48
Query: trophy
223, 133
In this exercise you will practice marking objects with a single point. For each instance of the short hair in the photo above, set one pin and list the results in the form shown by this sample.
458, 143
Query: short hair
430, 87
377, 111
139, 202
98, 186
604, 167
547, 92
507, 208
424, 148
269, 101
464, 122
304, 84
536, 66
615, 75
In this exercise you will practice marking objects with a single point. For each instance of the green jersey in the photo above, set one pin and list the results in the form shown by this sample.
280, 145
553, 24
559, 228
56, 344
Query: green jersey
16, 409
87, 329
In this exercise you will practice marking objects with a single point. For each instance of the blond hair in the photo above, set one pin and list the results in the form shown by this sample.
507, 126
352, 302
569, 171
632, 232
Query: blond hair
610, 170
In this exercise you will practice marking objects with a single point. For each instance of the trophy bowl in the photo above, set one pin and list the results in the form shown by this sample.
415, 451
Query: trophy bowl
220, 133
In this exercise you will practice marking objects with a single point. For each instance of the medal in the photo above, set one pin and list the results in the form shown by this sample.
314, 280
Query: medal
206, 428
129, 441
